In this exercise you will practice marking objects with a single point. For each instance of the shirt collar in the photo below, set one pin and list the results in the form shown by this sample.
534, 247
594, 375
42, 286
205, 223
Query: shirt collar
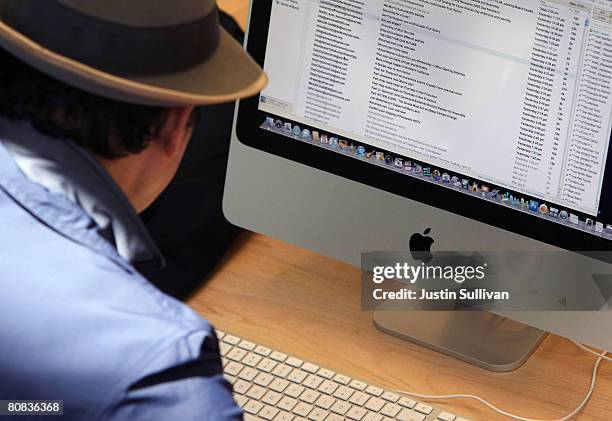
62, 167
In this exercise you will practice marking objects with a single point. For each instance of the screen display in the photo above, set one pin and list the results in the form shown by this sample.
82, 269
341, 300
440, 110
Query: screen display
510, 102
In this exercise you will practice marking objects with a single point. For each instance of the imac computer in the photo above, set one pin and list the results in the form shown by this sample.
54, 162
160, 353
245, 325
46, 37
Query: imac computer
485, 124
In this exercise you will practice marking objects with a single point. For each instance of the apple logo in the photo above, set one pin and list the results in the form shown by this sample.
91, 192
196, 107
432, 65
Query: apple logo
420, 246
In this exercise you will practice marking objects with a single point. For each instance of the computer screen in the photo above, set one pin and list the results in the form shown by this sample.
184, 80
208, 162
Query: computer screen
506, 101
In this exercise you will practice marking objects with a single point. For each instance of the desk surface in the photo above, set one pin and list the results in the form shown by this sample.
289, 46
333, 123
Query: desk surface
308, 305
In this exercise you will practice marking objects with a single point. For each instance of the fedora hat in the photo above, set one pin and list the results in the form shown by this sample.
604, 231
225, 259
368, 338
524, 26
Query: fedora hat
151, 52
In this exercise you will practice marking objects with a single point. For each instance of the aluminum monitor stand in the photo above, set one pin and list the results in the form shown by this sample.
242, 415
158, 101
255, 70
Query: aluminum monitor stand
478, 337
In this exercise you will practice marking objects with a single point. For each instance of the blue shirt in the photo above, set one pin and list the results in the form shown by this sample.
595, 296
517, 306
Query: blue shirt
77, 320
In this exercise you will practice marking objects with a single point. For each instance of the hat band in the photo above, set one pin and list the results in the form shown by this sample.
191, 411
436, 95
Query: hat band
114, 48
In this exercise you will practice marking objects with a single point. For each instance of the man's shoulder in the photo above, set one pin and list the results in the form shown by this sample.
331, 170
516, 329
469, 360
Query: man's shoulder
74, 314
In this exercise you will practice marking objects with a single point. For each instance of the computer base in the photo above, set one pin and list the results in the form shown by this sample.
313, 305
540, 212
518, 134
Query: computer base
481, 338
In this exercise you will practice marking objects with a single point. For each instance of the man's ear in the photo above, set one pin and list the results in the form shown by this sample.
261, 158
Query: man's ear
176, 129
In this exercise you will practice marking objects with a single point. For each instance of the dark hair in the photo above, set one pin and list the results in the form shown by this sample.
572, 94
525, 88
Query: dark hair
107, 128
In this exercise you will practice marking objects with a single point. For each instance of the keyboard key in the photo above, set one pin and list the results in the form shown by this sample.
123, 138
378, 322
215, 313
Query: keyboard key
356, 413
356, 384
268, 412
267, 365
445, 416
263, 379
425, 409
287, 403
294, 390
220, 334
310, 368
359, 398
256, 392
251, 360
233, 368
262, 350
297, 376
325, 402
341, 407
278, 356
328, 387
334, 417
294, 362
241, 387
241, 400
312, 381
272, 398
279, 385
371, 416
282, 370
302, 409
236, 354
374, 391
284, 416
375, 404
391, 410
390, 396
230, 379
407, 403
253, 407
224, 348
248, 374
339, 378
309, 396
410, 415
231, 339
343, 393
249, 346
318, 414
326, 374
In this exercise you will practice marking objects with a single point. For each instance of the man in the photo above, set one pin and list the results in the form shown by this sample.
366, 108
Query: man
96, 111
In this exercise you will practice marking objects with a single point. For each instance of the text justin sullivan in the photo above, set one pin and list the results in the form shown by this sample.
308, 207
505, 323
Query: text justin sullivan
444, 294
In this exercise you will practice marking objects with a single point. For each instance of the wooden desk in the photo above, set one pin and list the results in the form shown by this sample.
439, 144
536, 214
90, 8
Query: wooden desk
308, 305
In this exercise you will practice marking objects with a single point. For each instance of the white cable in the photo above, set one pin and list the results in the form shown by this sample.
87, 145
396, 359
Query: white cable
578, 344
600, 358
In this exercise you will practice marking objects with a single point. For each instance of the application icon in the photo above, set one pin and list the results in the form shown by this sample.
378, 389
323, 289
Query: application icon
554, 212
388, 159
609, 228
534, 206
417, 169
465, 184
361, 150
352, 148
324, 139
456, 181
333, 142
278, 124
288, 128
306, 134
427, 172
399, 162
297, 130
370, 154
485, 189
408, 166
515, 200
436, 175
543, 209
343, 144
315, 136
589, 224
494, 194
563, 215
474, 187
446, 178
505, 197
574, 219
270, 122
599, 227
380, 156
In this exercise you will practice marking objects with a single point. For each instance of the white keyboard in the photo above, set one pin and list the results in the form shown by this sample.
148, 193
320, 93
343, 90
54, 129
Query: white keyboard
270, 385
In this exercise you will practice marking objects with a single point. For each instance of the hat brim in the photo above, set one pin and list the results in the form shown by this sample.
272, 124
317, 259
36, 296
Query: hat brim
229, 74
